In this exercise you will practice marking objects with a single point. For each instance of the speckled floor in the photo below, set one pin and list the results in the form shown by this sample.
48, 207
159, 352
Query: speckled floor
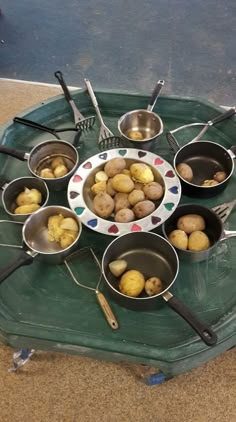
62, 388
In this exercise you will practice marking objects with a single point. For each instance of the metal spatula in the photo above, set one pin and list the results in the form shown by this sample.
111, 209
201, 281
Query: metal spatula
106, 139
82, 123
224, 210
172, 141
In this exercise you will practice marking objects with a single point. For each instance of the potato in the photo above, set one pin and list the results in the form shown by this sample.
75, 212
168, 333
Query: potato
115, 166
210, 182
29, 196
198, 241
101, 176
103, 205
54, 229
99, 187
132, 283
220, 176
47, 173
138, 185
143, 208
153, 191
125, 215
121, 201
179, 239
141, 172
26, 209
185, 171
60, 171
136, 196
66, 239
190, 223
136, 135
58, 161
117, 267
122, 183
69, 223
153, 286
127, 172
109, 188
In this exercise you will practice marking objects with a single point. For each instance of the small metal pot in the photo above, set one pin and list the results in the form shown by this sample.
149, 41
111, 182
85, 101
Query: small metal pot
205, 159
148, 123
12, 189
214, 230
40, 157
36, 243
152, 255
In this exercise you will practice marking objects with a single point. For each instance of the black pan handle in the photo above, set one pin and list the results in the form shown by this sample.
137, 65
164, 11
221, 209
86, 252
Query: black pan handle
12, 152
155, 94
207, 334
23, 259
35, 125
223, 116
58, 74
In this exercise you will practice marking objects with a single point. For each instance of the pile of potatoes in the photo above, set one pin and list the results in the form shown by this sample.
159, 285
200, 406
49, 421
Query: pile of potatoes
132, 282
189, 233
186, 172
28, 201
56, 169
125, 192
63, 230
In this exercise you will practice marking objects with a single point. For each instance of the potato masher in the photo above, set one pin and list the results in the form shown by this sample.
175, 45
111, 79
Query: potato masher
82, 123
172, 141
100, 296
106, 139
224, 210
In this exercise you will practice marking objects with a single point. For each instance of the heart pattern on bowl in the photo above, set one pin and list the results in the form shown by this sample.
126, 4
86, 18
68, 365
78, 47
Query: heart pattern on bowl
87, 165
93, 223
169, 173
123, 152
113, 229
158, 162
103, 156
156, 220
73, 194
79, 210
77, 178
141, 154
169, 206
174, 189
136, 228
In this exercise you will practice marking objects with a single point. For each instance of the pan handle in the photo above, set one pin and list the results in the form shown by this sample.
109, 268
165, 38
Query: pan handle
58, 74
35, 125
13, 152
155, 94
222, 116
23, 258
207, 334
111, 319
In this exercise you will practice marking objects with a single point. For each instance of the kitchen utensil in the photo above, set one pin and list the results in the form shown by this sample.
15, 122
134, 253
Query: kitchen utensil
36, 243
81, 254
220, 118
82, 123
80, 197
152, 255
41, 156
205, 159
224, 210
106, 139
10, 191
214, 230
145, 123
44, 128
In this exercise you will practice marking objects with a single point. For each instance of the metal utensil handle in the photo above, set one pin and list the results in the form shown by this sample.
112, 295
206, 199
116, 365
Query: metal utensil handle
107, 310
58, 74
207, 334
93, 99
222, 116
35, 125
12, 152
155, 94
23, 259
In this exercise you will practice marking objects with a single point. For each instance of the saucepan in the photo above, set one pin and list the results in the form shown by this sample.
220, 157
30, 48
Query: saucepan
41, 156
36, 242
212, 227
153, 256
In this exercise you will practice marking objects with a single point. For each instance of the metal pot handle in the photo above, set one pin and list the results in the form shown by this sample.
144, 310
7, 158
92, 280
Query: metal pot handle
155, 94
13, 152
24, 258
206, 333
227, 234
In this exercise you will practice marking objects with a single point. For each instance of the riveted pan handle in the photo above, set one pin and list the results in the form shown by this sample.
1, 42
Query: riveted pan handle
23, 258
58, 74
155, 94
13, 152
207, 334
35, 125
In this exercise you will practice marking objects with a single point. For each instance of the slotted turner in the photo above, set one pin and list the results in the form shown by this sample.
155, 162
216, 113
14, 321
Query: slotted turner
224, 210
172, 141
106, 139
82, 123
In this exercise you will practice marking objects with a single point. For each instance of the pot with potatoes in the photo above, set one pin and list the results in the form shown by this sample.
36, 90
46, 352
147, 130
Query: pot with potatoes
195, 231
139, 269
50, 235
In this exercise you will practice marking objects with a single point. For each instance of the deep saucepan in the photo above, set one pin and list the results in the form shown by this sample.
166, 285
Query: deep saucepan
152, 255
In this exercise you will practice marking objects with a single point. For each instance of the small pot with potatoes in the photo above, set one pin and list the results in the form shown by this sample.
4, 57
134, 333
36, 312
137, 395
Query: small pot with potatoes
195, 231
